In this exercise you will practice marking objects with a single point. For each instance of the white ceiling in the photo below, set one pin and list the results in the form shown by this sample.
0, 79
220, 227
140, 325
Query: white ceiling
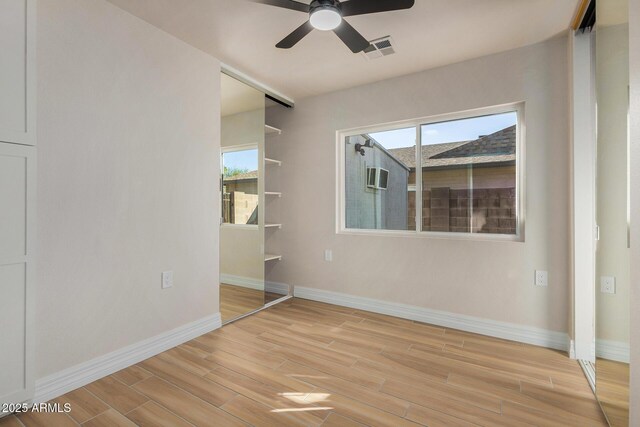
237, 97
433, 33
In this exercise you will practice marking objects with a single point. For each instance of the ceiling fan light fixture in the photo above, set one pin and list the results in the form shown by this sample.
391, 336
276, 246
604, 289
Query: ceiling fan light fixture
325, 18
327, 15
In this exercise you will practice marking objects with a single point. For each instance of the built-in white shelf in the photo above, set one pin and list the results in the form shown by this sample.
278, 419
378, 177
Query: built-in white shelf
272, 257
269, 130
272, 162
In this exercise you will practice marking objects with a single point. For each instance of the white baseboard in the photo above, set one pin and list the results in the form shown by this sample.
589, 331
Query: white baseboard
277, 288
613, 350
62, 382
245, 282
504, 330
257, 284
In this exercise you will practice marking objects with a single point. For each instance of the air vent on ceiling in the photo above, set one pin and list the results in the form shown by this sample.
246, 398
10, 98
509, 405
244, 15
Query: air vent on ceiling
379, 48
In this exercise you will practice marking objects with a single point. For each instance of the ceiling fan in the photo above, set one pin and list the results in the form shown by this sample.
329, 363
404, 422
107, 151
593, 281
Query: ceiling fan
327, 15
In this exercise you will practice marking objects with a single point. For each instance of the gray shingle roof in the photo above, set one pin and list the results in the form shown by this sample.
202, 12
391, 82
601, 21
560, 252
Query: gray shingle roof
499, 147
407, 155
502, 142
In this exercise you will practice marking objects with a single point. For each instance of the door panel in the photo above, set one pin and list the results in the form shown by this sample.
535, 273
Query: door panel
13, 182
17, 255
12, 315
17, 79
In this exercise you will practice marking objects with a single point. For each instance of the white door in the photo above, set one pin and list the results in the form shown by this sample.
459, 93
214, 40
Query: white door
17, 197
17, 233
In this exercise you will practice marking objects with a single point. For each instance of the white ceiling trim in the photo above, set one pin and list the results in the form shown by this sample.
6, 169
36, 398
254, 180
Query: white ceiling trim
239, 75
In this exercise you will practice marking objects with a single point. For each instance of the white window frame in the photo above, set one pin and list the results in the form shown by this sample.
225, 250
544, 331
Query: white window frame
342, 135
233, 149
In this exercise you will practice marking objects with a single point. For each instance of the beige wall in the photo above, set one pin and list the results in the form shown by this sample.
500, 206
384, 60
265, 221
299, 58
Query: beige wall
634, 76
243, 128
612, 255
487, 279
128, 125
240, 253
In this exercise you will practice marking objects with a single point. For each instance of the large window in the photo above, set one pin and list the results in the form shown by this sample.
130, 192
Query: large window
456, 173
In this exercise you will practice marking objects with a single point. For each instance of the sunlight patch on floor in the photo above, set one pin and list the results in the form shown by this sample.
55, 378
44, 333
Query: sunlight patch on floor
312, 408
304, 398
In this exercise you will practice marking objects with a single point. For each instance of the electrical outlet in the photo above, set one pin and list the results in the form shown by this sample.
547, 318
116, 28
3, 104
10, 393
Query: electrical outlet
167, 279
328, 255
542, 278
608, 285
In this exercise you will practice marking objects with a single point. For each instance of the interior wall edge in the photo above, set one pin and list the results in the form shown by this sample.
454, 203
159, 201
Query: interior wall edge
509, 331
77, 376
634, 124
583, 155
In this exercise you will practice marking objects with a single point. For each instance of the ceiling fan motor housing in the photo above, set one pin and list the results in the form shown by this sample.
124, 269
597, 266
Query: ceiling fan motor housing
325, 4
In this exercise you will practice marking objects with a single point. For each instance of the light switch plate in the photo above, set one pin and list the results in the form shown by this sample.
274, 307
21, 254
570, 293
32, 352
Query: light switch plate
542, 278
328, 255
608, 285
167, 279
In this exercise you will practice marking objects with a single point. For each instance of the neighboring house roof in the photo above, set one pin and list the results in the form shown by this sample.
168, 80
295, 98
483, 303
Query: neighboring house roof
499, 143
407, 155
499, 147
243, 176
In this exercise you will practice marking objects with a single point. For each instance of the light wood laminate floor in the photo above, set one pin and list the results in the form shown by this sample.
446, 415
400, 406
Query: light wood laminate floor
612, 386
236, 301
302, 363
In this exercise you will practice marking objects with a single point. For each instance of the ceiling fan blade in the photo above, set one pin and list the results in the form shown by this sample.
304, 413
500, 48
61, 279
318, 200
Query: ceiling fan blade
297, 35
287, 4
361, 7
352, 38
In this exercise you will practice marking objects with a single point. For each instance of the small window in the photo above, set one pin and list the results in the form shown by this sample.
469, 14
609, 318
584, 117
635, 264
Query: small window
461, 176
377, 178
383, 178
372, 177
